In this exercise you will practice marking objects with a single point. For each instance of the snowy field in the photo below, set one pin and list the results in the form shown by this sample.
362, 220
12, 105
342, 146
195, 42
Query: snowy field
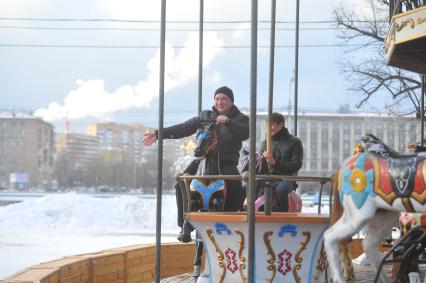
44, 228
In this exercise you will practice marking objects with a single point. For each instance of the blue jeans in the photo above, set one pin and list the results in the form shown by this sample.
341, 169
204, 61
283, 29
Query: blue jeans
282, 189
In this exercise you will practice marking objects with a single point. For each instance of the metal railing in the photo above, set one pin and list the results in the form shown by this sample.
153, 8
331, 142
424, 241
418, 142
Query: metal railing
186, 179
401, 6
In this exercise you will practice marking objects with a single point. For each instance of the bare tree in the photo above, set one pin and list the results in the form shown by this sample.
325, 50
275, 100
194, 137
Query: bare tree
367, 72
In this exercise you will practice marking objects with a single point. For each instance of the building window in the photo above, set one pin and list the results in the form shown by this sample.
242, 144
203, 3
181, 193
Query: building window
390, 140
357, 133
336, 132
313, 157
346, 149
401, 136
324, 164
324, 142
336, 163
368, 128
380, 131
411, 134
346, 134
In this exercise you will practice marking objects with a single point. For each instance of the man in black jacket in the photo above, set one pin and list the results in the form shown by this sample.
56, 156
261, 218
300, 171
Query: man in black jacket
285, 159
232, 129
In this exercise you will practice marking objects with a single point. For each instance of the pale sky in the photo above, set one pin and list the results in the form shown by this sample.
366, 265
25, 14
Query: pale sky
121, 84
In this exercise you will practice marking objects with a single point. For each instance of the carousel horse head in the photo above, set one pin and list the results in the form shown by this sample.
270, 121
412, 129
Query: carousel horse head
206, 141
358, 148
375, 186
208, 194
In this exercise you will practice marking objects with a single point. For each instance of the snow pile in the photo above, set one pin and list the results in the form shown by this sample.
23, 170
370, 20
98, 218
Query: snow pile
78, 212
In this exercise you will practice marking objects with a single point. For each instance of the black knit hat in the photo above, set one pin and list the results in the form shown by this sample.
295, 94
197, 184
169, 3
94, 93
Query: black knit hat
225, 90
277, 118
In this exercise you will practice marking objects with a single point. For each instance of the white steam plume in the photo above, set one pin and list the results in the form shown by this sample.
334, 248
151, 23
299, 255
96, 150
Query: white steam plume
91, 99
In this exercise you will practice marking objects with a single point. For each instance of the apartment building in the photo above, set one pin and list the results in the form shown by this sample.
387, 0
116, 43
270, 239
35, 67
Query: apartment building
112, 136
79, 147
26, 152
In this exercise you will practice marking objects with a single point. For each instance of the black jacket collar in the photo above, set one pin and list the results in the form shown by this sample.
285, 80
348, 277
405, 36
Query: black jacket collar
281, 135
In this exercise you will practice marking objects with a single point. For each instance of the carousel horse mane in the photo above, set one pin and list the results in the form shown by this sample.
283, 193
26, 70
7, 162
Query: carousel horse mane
206, 142
375, 185
206, 150
371, 143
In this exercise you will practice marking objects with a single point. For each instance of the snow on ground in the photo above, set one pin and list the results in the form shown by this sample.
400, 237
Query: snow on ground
46, 228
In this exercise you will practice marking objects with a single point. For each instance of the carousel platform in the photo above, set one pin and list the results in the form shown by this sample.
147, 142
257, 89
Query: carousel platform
363, 274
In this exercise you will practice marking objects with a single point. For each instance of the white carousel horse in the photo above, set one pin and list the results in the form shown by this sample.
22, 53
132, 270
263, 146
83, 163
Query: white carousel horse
373, 187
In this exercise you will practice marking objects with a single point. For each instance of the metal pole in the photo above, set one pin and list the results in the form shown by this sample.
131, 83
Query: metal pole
296, 68
160, 144
200, 57
252, 165
422, 110
268, 205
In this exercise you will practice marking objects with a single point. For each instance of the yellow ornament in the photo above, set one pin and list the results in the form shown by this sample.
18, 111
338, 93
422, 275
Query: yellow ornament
358, 180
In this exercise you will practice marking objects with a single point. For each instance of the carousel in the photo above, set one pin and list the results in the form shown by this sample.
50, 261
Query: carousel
371, 188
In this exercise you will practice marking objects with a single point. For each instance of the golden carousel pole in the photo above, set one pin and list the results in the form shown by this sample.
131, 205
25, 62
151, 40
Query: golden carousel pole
268, 192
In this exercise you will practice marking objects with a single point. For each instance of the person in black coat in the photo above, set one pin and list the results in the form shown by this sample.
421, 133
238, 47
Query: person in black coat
232, 129
285, 159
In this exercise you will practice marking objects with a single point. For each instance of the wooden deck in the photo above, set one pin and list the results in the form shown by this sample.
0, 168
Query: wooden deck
126, 264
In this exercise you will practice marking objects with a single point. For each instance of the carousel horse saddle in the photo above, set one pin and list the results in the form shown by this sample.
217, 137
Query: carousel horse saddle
399, 173
206, 189
401, 177
294, 202
402, 171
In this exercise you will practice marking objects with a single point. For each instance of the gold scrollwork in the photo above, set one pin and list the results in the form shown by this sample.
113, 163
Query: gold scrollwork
220, 256
421, 20
240, 255
404, 23
271, 260
298, 258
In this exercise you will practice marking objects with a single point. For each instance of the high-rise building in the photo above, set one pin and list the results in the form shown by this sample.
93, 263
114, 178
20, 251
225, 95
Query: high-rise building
113, 136
78, 147
26, 152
